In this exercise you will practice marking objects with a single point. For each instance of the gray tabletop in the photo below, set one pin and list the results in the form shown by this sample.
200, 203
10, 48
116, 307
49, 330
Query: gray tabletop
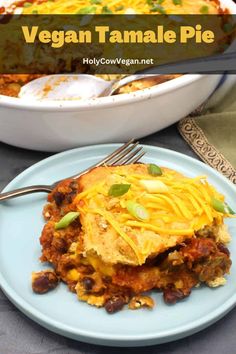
20, 335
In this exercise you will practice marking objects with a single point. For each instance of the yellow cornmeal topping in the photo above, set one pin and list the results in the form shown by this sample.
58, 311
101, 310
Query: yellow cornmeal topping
181, 208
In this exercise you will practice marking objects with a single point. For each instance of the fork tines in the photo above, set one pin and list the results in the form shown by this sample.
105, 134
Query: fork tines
127, 153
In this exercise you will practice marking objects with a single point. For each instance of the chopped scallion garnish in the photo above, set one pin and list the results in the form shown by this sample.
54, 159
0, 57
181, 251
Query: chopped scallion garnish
177, 2
95, 2
27, 4
220, 206
119, 8
204, 9
66, 220
137, 210
87, 10
106, 10
158, 8
154, 170
117, 190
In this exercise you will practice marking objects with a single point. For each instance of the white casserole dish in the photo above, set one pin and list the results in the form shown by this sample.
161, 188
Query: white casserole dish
55, 126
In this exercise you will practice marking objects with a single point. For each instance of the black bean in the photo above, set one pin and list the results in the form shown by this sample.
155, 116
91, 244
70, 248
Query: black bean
70, 196
44, 281
88, 283
58, 198
172, 295
59, 244
114, 304
74, 185
222, 248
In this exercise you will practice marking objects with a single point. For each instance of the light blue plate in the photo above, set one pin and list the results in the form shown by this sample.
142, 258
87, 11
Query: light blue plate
60, 311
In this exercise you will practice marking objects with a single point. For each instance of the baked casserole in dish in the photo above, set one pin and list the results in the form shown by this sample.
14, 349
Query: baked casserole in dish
60, 125
10, 84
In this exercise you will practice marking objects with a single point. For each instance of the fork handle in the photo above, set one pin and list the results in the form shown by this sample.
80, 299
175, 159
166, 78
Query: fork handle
25, 190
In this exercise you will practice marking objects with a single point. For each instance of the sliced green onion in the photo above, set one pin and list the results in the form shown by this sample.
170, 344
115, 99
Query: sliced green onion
204, 9
119, 8
158, 8
177, 2
95, 2
154, 170
66, 220
27, 4
106, 10
220, 206
137, 210
116, 190
87, 10
154, 2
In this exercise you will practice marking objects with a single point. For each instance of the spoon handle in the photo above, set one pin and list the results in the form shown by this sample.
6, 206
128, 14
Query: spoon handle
116, 84
211, 64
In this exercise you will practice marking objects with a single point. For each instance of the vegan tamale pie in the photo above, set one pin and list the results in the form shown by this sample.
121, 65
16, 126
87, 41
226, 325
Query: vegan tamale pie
117, 232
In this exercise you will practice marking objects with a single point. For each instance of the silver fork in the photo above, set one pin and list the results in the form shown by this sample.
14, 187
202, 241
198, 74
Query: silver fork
127, 153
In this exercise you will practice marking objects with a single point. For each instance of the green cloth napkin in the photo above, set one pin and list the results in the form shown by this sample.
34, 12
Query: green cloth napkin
212, 135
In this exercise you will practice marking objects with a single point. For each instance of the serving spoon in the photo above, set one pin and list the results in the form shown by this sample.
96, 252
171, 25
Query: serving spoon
74, 86
84, 86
